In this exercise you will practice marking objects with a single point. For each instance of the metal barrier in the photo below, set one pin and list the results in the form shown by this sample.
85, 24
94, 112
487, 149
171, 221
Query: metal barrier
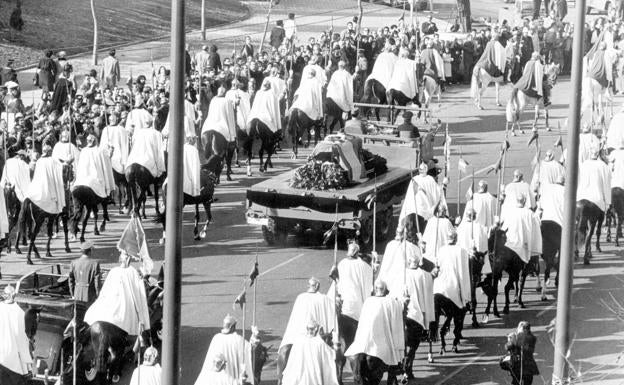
393, 109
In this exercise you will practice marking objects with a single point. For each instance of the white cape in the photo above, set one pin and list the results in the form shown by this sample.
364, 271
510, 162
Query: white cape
309, 306
551, 201
221, 118
94, 171
383, 68
230, 346
524, 235
340, 90
548, 171
419, 285
137, 119
189, 121
122, 302
266, 109
453, 279
66, 151
46, 189
192, 181
594, 183
478, 240
615, 134
309, 99
435, 236
394, 264
588, 143
14, 348
404, 77
515, 190
311, 362
380, 331
616, 158
117, 138
242, 105
422, 197
355, 284
147, 375
484, 204
147, 150
17, 173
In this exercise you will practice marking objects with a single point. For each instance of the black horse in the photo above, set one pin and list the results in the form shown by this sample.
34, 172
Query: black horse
85, 197
551, 243
502, 258
122, 189
333, 115
615, 214
398, 98
33, 216
374, 93
13, 207
268, 143
588, 217
208, 180
214, 144
298, 124
140, 178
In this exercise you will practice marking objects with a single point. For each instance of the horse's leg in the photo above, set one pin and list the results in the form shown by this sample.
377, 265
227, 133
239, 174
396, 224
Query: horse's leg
497, 86
458, 322
495, 280
618, 228
588, 253
105, 217
510, 284
33, 236
443, 331
85, 221
473, 302
50, 232
64, 220
598, 229
142, 202
156, 188
94, 210
196, 226
261, 156
536, 117
546, 118
524, 273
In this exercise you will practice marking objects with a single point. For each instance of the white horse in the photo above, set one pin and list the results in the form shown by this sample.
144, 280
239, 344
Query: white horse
480, 82
518, 100
595, 98
430, 88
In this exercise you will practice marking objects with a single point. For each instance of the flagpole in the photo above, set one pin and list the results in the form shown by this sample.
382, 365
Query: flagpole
255, 292
459, 183
375, 215
243, 374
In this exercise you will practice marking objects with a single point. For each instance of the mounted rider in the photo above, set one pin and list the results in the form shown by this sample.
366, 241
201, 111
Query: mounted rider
47, 189
16, 175
432, 60
241, 101
493, 60
265, 108
516, 189
147, 143
93, 169
547, 172
484, 205
234, 350
404, 76
340, 88
384, 66
115, 138
532, 81
309, 97
311, 360
524, 235
68, 154
379, 342
353, 283
594, 182
436, 233
122, 300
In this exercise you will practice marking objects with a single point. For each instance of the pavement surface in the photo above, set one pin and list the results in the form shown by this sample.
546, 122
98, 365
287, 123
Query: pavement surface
214, 268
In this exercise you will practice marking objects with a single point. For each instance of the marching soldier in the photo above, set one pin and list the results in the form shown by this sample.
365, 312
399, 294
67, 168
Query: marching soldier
85, 275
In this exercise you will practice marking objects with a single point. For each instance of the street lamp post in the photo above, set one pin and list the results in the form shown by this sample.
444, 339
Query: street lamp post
95, 32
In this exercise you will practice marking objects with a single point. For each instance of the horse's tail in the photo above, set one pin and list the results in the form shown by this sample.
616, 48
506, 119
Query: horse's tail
474, 85
367, 91
582, 220
99, 344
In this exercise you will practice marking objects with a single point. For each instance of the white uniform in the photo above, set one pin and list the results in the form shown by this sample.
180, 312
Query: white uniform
524, 234
515, 190
14, 348
117, 138
594, 183
309, 306
453, 281
617, 174
383, 68
484, 204
615, 134
310, 362
419, 285
435, 236
137, 119
147, 375
242, 102
47, 190
93, 170
355, 284
551, 202
147, 151
394, 263
17, 173
423, 196
380, 332
221, 118
309, 99
230, 345
404, 77
266, 109
340, 89
548, 171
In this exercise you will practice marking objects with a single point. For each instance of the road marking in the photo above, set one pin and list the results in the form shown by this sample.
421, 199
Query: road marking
286, 262
549, 308
456, 371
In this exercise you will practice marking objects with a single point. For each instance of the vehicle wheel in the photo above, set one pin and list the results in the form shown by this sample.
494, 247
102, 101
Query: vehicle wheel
91, 375
268, 235
273, 235
384, 222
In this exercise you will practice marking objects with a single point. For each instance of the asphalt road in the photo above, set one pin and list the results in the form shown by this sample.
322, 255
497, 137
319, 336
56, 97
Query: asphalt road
214, 268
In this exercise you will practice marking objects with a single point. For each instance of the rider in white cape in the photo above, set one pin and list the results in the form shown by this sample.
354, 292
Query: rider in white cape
266, 108
116, 138
147, 151
404, 75
309, 98
93, 169
340, 88
47, 190
221, 117
384, 67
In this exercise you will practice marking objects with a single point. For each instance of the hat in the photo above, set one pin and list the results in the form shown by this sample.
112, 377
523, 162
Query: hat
18, 115
61, 54
11, 84
228, 323
87, 245
407, 114
21, 152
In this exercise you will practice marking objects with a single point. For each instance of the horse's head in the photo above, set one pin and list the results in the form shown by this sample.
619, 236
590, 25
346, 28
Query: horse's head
477, 260
497, 238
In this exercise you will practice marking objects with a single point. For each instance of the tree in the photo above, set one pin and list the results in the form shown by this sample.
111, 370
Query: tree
463, 8
95, 33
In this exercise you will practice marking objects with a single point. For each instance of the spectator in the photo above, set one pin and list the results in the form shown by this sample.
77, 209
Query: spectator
520, 347
290, 29
248, 49
277, 34
429, 27
214, 60
46, 72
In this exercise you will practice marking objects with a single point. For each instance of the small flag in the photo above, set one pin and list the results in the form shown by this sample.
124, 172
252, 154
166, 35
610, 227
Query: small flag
506, 145
535, 160
254, 274
133, 243
462, 165
328, 234
534, 137
559, 143
241, 299
496, 166
469, 193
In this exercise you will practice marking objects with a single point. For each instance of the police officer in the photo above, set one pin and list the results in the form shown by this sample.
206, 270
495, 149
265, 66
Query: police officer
85, 275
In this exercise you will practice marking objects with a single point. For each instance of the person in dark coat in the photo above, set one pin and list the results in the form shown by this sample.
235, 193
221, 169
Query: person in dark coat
85, 275
277, 34
521, 346
63, 91
47, 72
214, 60
248, 49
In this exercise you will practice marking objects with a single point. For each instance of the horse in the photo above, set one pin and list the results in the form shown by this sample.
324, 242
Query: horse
430, 88
13, 207
268, 142
298, 123
519, 99
208, 180
588, 217
333, 114
551, 243
481, 79
373, 89
84, 196
502, 258
475, 263
103, 346
121, 183
214, 144
595, 97
398, 98
139, 177
33, 216
615, 214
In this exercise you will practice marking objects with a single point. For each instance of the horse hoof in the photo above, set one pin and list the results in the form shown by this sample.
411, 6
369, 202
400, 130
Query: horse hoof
598, 249
544, 298
548, 128
475, 324
485, 319
497, 314
121, 211
522, 132
197, 238
442, 351
29, 262
513, 133
102, 227
96, 232
67, 249
498, 104
522, 306
506, 310
608, 239
515, 299
229, 178
261, 169
455, 349
161, 241
430, 358
585, 261
538, 289
82, 239
48, 255
480, 107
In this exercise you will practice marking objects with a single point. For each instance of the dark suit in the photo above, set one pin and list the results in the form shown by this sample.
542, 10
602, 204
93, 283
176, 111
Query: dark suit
521, 347
277, 36
84, 278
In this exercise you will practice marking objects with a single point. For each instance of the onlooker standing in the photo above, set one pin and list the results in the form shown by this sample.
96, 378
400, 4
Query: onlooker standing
201, 60
277, 34
248, 49
110, 70
46, 72
84, 277
520, 346
429, 27
214, 60
290, 28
